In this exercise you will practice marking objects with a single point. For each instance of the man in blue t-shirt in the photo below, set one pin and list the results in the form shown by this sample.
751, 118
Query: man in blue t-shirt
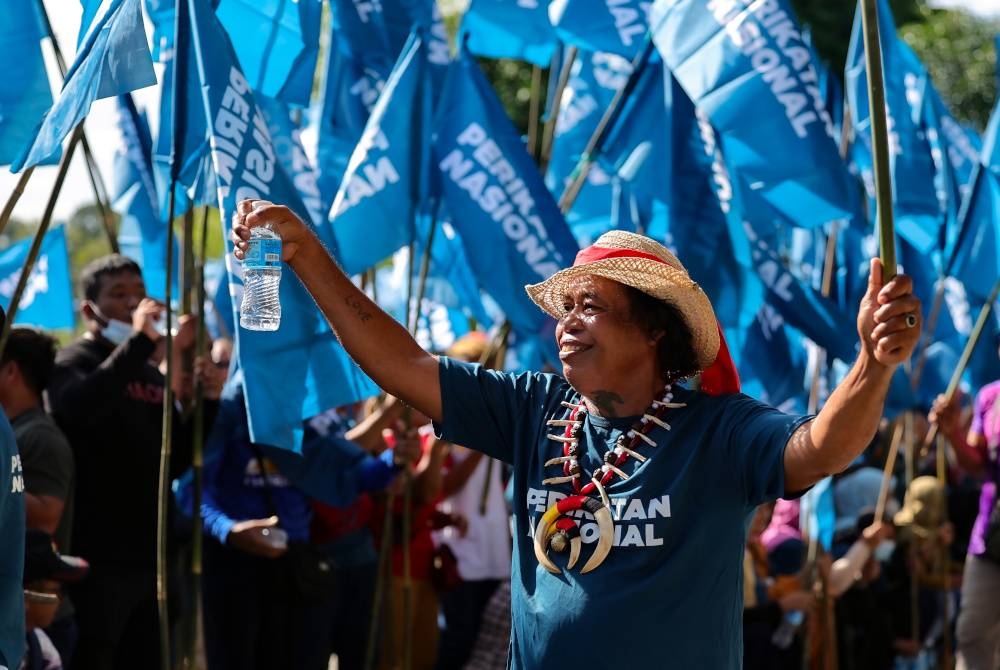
11, 545
631, 492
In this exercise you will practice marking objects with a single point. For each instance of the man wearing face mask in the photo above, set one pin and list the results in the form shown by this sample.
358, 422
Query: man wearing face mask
107, 396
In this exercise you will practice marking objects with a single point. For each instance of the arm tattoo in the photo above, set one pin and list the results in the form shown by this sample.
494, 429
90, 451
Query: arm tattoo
354, 303
604, 401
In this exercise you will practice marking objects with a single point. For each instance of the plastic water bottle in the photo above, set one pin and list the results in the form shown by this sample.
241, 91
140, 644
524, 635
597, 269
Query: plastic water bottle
261, 307
785, 633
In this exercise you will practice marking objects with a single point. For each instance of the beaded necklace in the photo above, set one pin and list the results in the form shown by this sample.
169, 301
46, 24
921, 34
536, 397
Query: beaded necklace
555, 529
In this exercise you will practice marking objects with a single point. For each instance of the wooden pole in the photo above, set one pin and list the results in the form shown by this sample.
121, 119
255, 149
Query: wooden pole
877, 112
596, 142
963, 361
15, 195
36, 243
548, 130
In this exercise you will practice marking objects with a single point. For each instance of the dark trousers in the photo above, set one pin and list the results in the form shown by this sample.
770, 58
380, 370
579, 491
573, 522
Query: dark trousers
462, 608
342, 621
64, 633
253, 619
117, 617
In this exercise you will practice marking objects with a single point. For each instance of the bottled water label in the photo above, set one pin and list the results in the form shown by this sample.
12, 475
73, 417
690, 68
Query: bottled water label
262, 253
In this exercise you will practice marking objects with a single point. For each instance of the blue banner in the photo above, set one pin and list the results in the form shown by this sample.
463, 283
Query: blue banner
975, 256
387, 177
285, 134
25, 94
315, 372
510, 226
738, 56
774, 363
594, 80
141, 233
47, 301
509, 29
350, 88
277, 44
615, 26
113, 59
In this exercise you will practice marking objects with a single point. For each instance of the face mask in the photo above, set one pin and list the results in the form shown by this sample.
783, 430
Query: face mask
114, 331
883, 552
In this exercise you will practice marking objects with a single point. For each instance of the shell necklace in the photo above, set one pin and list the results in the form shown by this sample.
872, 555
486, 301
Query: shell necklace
556, 530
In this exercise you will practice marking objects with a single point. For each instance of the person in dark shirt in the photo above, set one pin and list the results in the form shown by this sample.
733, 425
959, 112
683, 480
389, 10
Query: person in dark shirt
107, 396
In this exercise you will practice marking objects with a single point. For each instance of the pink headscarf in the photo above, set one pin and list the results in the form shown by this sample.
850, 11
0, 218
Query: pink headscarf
784, 525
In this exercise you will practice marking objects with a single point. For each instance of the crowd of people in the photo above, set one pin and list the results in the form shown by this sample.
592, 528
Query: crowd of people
471, 518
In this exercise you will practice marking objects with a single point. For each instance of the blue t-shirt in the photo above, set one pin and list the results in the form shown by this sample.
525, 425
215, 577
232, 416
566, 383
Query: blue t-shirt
11, 549
669, 594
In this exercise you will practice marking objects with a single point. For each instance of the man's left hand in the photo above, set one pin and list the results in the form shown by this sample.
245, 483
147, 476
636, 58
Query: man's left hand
889, 318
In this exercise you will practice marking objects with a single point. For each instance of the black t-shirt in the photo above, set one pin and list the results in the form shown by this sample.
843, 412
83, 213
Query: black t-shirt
109, 402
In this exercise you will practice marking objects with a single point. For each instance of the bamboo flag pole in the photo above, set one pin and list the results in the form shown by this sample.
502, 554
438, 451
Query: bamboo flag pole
548, 130
15, 195
36, 243
963, 361
534, 103
596, 143
181, 27
197, 450
96, 181
880, 138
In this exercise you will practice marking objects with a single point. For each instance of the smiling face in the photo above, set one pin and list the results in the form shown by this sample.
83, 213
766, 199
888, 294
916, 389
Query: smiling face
604, 352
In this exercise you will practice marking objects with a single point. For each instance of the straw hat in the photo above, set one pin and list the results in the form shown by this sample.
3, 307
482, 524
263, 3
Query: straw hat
637, 261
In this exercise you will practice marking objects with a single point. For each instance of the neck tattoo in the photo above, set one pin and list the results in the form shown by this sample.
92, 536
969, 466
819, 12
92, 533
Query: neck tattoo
605, 402
557, 530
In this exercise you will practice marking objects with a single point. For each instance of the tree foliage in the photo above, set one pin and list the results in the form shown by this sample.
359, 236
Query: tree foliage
960, 54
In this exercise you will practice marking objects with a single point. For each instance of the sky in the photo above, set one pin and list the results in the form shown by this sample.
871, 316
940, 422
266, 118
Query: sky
103, 135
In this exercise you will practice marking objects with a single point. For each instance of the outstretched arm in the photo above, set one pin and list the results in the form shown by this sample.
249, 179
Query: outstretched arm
889, 327
379, 344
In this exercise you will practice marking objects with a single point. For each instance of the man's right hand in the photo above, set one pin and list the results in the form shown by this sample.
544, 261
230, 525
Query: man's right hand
145, 316
946, 414
253, 213
254, 537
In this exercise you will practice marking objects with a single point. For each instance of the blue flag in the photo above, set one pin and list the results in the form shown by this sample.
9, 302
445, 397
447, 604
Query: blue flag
142, 236
975, 257
797, 299
704, 218
637, 147
919, 212
738, 56
47, 301
285, 134
615, 26
387, 177
818, 513
510, 226
25, 94
277, 43
315, 372
113, 59
774, 363
350, 88
509, 29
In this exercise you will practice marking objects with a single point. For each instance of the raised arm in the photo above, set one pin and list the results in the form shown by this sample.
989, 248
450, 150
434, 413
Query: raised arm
889, 327
376, 341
